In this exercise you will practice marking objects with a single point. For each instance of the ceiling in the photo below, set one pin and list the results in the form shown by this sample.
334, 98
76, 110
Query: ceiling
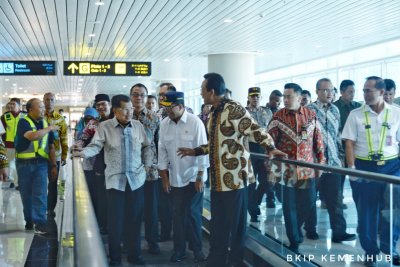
176, 37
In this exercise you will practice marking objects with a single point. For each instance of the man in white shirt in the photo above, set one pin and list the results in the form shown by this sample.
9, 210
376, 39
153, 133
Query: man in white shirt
372, 135
184, 177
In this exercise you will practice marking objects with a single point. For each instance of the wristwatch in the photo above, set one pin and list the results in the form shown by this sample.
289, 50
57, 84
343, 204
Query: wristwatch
199, 178
54, 165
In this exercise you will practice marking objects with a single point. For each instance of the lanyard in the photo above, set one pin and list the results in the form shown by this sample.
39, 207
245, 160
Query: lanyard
382, 137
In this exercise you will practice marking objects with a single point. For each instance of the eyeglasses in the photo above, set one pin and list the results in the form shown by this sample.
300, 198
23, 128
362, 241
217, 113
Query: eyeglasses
327, 90
137, 95
126, 110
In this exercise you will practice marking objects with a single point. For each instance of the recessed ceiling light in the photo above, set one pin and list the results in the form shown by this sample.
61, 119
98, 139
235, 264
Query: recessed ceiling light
20, 88
25, 91
6, 80
99, 3
92, 35
14, 84
228, 20
81, 80
5, 93
318, 46
124, 86
166, 59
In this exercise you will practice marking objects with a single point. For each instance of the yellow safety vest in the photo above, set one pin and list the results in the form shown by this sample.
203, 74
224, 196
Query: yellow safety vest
11, 125
376, 155
36, 147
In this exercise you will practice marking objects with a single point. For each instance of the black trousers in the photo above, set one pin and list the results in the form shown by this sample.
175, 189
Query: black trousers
330, 187
297, 205
151, 193
52, 192
165, 213
187, 205
91, 183
124, 208
102, 206
228, 223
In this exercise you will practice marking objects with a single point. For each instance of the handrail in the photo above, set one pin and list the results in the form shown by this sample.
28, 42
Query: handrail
378, 177
88, 248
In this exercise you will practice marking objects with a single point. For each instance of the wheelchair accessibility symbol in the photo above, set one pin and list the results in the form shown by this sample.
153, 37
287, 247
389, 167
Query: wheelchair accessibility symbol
8, 67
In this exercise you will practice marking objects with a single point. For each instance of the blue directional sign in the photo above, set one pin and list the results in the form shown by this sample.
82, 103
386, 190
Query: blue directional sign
27, 68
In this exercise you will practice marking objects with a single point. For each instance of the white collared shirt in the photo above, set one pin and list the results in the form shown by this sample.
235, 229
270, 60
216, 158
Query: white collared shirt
188, 132
354, 130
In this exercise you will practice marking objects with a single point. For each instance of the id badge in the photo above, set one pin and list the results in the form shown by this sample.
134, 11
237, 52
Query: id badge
304, 135
389, 140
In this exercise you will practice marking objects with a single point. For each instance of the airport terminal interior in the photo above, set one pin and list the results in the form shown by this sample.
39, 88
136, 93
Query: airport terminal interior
80, 56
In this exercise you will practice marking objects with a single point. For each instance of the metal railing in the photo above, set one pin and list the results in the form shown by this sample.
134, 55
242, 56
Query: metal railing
378, 177
88, 246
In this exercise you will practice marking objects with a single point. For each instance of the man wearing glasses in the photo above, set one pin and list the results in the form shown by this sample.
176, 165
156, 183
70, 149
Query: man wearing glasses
94, 167
328, 116
151, 124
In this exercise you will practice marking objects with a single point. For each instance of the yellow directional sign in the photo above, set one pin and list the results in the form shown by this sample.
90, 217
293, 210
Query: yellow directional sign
107, 68
73, 67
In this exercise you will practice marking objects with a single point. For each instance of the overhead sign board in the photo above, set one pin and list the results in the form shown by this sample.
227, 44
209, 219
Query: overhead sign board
107, 68
27, 68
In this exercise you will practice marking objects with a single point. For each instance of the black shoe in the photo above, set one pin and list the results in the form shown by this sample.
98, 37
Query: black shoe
396, 260
369, 262
137, 261
12, 185
344, 237
17, 188
41, 230
29, 226
271, 204
344, 206
199, 256
51, 213
312, 235
154, 249
177, 257
294, 248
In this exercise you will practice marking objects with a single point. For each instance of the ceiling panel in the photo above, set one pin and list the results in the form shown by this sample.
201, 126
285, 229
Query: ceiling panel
184, 32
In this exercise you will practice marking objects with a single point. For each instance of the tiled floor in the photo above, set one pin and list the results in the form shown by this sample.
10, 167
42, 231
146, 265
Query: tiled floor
17, 246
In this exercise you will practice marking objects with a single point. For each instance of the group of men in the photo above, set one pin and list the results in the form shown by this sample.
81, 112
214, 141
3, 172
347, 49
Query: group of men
129, 147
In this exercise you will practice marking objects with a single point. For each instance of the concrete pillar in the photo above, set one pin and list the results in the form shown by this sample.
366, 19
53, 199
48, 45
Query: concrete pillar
237, 70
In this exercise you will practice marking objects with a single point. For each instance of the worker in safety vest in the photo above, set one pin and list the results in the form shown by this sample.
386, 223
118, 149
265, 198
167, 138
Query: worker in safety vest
372, 135
3, 158
10, 120
34, 145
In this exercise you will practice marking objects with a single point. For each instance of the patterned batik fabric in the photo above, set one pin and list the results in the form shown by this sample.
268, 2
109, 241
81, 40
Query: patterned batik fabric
230, 127
298, 134
151, 124
329, 118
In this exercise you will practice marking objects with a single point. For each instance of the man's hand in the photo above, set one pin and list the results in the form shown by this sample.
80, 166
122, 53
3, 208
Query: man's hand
78, 154
166, 186
54, 127
318, 173
199, 185
183, 151
54, 173
277, 153
3, 174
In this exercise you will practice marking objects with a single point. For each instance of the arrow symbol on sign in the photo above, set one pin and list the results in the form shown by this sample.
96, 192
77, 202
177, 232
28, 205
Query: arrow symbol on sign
73, 67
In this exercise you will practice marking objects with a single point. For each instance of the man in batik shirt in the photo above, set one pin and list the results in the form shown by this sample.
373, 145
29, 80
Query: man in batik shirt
151, 124
296, 131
